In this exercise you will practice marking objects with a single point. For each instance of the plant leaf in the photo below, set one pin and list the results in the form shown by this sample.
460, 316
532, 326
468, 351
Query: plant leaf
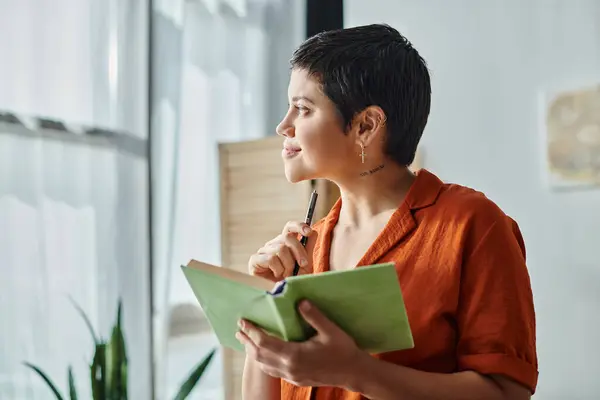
98, 373
72, 389
116, 361
86, 320
124, 378
46, 379
194, 377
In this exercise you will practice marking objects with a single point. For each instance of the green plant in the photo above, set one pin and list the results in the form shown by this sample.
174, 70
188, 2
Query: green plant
108, 371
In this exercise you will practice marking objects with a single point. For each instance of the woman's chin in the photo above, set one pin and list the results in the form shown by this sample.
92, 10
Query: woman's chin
294, 178
294, 174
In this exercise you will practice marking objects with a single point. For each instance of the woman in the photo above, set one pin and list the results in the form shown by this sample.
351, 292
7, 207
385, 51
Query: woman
359, 102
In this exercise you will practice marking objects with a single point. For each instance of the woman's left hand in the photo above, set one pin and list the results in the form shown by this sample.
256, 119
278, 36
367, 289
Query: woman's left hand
327, 359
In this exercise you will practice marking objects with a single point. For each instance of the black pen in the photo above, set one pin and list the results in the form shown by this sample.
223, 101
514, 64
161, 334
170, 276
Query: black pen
308, 220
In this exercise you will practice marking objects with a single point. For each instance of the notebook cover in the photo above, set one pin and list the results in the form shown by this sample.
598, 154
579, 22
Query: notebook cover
225, 302
366, 302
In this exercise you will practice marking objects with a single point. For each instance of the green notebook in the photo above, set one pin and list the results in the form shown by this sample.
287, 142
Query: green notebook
365, 302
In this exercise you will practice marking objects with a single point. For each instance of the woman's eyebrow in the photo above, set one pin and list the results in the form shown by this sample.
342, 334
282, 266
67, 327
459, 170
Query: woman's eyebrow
296, 98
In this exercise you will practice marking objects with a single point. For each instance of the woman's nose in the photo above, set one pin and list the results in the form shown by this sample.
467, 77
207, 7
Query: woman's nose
285, 128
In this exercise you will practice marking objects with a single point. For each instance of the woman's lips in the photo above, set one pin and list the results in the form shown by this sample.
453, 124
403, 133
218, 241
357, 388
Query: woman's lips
290, 152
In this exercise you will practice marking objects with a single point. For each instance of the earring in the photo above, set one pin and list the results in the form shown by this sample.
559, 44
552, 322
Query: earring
362, 153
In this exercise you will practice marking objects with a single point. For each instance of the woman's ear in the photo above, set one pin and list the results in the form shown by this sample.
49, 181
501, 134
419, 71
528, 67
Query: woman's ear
369, 124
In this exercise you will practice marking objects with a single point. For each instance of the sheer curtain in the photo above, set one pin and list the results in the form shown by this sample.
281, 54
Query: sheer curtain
73, 209
228, 77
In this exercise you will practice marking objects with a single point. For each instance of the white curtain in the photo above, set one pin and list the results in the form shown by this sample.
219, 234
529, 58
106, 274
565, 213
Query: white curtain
73, 213
82, 61
73, 225
221, 76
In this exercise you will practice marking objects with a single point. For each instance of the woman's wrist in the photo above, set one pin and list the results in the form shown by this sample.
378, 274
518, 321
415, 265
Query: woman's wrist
360, 373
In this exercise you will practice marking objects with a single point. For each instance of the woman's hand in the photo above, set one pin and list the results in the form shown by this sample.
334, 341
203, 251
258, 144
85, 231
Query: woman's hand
275, 260
327, 359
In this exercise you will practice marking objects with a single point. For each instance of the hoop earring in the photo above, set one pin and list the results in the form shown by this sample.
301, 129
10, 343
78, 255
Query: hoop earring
362, 153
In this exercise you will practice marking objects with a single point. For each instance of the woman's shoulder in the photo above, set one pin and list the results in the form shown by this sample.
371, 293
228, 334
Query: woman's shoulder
470, 216
465, 205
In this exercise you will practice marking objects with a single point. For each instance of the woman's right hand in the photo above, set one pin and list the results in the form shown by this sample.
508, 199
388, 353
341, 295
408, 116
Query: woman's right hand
275, 260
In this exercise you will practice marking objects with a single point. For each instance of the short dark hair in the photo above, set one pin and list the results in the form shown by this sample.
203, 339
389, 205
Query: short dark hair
372, 65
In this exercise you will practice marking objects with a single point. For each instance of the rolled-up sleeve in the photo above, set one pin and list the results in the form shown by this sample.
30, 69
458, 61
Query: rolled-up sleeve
496, 317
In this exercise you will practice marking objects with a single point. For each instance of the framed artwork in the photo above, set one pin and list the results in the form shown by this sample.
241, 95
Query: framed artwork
571, 130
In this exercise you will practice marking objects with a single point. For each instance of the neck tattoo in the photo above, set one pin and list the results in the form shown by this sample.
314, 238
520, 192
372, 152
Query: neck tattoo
373, 170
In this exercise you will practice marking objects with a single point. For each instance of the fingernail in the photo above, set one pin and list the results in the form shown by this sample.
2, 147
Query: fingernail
241, 324
306, 230
303, 263
305, 305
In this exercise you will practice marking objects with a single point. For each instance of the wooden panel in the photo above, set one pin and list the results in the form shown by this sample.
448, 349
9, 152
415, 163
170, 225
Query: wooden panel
256, 202
256, 199
328, 195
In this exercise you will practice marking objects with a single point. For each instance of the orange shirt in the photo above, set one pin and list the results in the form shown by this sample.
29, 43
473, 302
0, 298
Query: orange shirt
461, 266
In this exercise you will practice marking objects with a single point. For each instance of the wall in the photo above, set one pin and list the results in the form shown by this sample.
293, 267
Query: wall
490, 61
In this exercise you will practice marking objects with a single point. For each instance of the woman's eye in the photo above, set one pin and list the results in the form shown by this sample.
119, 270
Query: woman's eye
301, 109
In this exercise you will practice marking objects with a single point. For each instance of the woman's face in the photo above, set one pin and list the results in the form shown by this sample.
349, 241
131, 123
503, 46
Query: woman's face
315, 144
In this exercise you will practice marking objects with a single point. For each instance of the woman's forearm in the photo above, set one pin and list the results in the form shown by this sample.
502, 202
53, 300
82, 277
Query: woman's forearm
379, 380
256, 385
